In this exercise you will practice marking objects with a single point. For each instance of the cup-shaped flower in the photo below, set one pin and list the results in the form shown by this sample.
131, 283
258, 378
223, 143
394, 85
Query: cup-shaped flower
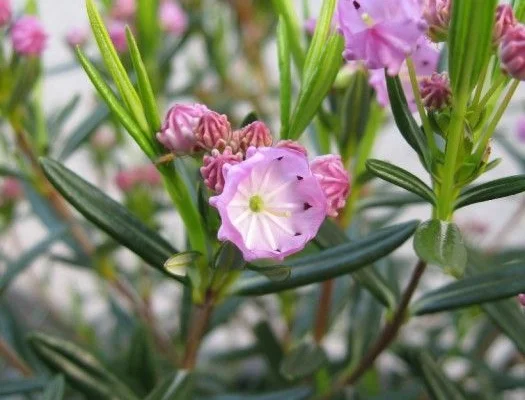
520, 129
178, 130
437, 15
505, 20
435, 91
5, 12
511, 52
256, 134
117, 34
291, 145
28, 36
382, 33
77, 36
212, 169
334, 180
271, 204
213, 131
172, 17
123, 9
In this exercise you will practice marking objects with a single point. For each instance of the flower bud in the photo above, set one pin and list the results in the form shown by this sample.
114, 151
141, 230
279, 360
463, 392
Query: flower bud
10, 191
292, 145
147, 174
505, 20
435, 91
117, 34
511, 52
437, 15
123, 9
103, 140
334, 180
212, 169
173, 19
521, 299
520, 131
5, 12
309, 25
178, 130
213, 132
77, 37
256, 134
28, 36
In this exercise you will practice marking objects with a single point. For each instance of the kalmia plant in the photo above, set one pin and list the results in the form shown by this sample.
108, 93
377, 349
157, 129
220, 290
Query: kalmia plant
264, 211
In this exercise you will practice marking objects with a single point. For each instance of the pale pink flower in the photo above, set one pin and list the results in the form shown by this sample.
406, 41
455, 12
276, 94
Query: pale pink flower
117, 34
173, 19
28, 36
520, 129
511, 52
271, 205
5, 12
382, 33
10, 191
505, 20
178, 130
256, 134
77, 36
435, 91
425, 57
212, 169
213, 131
123, 9
437, 15
291, 145
334, 180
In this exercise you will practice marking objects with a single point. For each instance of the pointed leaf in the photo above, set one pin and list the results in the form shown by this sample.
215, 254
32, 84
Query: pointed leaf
177, 386
303, 360
21, 386
508, 316
300, 393
285, 77
55, 389
496, 189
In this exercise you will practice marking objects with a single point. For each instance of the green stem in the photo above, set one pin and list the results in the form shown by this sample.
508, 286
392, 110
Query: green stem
420, 108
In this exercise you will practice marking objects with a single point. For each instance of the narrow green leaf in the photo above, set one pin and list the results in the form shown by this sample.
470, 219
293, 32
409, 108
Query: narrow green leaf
402, 178
286, 10
394, 200
80, 368
328, 264
147, 24
405, 122
229, 257
15, 268
114, 105
303, 360
6, 170
109, 215
146, 91
177, 386
269, 347
495, 189
55, 389
440, 242
506, 314
21, 386
300, 393
285, 75
274, 273
115, 67
477, 289
59, 118
140, 369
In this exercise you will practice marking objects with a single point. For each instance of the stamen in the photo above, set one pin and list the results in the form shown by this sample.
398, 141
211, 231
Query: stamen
367, 19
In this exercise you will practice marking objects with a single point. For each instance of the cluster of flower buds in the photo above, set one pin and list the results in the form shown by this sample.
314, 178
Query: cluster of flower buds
144, 175
28, 36
435, 91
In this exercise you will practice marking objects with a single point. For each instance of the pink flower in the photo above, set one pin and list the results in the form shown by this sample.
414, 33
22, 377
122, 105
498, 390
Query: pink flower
256, 134
28, 36
511, 52
123, 9
5, 12
10, 191
178, 130
271, 205
104, 139
435, 91
212, 169
117, 34
425, 57
213, 132
128, 179
520, 131
437, 15
334, 180
382, 33
77, 36
173, 19
521, 299
309, 25
291, 145
505, 20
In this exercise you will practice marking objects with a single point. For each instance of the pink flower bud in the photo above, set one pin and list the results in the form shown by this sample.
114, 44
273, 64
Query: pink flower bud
128, 179
521, 299
212, 169
117, 34
28, 36
125, 180
334, 180
104, 139
511, 52
437, 15
292, 145
149, 175
505, 20
173, 19
256, 134
11, 190
77, 36
309, 25
520, 131
5, 12
178, 130
435, 91
123, 9
213, 132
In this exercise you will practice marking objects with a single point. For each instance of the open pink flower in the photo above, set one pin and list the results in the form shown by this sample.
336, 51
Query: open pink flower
28, 36
334, 180
173, 19
271, 205
291, 145
382, 33
5, 12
